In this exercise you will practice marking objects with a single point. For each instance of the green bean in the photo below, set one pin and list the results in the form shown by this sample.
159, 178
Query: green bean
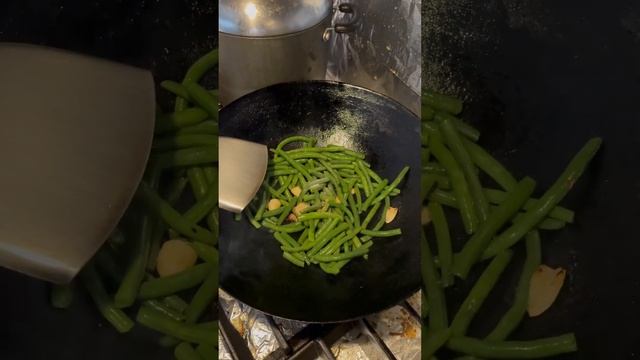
285, 213
179, 120
207, 127
376, 191
464, 128
197, 71
292, 259
187, 279
184, 351
441, 102
261, 206
116, 317
511, 319
435, 295
172, 217
184, 141
433, 341
343, 256
370, 215
448, 199
490, 166
272, 213
126, 294
358, 198
367, 178
325, 237
547, 202
289, 228
197, 181
202, 207
434, 168
531, 349
454, 141
546, 224
191, 333
161, 307
203, 98
475, 246
291, 139
558, 212
295, 165
210, 174
427, 112
427, 182
107, 265
203, 297
458, 182
187, 157
62, 295
318, 215
381, 233
479, 293
425, 154
394, 184
443, 237
176, 89
206, 253
207, 351
363, 181
176, 303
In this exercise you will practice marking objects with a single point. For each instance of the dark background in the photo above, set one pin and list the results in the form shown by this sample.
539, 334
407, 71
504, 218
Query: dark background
164, 36
540, 77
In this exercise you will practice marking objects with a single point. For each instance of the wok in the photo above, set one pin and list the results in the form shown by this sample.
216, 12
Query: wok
540, 78
165, 37
251, 265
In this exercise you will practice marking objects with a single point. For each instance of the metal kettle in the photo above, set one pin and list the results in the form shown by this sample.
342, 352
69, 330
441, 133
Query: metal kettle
264, 42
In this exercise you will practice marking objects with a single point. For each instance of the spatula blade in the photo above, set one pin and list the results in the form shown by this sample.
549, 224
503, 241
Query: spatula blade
242, 167
75, 136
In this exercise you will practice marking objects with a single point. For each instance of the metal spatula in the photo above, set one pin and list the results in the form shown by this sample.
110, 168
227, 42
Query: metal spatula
242, 167
75, 134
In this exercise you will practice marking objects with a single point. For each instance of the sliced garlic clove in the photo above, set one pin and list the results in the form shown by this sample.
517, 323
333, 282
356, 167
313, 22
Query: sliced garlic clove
425, 216
296, 190
292, 218
544, 289
175, 256
299, 208
391, 214
274, 204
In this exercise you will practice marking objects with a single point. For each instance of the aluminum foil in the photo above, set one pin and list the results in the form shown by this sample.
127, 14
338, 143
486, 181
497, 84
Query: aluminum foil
415, 301
384, 52
223, 352
400, 331
356, 345
252, 325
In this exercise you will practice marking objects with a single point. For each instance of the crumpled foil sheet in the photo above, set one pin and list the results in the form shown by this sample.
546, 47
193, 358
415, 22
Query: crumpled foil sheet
415, 301
252, 325
223, 352
396, 327
383, 53
400, 331
356, 345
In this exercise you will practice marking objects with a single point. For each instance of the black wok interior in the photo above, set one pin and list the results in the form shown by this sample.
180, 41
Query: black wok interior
163, 36
540, 78
251, 265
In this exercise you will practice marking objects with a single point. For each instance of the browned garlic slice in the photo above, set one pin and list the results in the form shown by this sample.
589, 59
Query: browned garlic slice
544, 288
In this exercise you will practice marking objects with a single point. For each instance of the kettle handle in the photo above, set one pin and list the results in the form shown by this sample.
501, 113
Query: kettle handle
348, 26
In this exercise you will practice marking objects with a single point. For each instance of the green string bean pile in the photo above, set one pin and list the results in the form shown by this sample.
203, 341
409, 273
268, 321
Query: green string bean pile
495, 220
121, 278
324, 205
